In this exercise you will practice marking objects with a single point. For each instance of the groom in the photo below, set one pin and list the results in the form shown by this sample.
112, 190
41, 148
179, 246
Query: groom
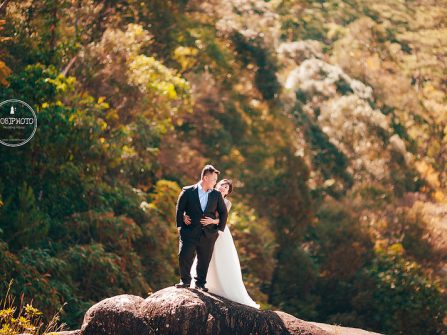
199, 201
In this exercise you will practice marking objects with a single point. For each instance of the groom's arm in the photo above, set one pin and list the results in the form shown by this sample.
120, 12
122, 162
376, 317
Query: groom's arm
223, 212
180, 208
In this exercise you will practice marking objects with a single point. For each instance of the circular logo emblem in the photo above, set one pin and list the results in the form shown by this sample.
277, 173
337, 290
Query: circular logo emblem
18, 122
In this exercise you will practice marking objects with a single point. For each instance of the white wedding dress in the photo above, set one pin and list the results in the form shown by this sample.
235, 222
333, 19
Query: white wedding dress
224, 277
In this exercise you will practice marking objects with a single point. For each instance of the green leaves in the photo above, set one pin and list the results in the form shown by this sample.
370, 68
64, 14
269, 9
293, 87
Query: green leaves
404, 299
24, 223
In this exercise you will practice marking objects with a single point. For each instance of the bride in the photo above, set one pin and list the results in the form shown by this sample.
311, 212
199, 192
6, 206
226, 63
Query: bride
224, 276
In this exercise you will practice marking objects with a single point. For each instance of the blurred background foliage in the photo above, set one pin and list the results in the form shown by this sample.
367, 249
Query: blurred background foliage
330, 117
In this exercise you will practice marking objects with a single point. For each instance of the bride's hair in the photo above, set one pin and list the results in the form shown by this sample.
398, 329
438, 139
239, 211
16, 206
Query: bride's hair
228, 182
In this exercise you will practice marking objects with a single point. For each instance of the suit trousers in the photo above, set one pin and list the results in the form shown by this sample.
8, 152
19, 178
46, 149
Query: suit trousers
189, 246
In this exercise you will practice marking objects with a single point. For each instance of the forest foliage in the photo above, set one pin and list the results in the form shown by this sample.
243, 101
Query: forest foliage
329, 116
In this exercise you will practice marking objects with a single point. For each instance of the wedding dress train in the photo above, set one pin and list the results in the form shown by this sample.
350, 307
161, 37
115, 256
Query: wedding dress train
224, 276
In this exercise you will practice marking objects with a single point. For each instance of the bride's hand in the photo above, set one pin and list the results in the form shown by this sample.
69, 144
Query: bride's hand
186, 219
207, 220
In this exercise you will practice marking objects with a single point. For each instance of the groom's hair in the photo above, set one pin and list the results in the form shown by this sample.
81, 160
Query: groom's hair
208, 169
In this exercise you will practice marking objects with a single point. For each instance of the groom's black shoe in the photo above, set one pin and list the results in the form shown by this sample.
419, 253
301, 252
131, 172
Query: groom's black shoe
182, 285
201, 288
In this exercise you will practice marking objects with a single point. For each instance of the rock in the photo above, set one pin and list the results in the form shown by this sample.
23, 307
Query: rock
338, 330
186, 311
115, 315
297, 326
189, 311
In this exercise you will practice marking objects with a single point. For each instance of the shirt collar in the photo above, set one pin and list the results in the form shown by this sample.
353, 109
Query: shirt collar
201, 188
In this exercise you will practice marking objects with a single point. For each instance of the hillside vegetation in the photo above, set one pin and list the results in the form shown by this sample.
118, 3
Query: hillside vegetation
329, 116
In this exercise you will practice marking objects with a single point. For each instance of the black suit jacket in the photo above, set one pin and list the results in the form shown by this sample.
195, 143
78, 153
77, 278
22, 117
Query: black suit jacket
189, 203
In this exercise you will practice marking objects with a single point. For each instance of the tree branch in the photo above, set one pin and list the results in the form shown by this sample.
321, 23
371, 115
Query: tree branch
3, 6
69, 65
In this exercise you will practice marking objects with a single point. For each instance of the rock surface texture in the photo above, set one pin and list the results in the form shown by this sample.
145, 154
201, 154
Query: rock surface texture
189, 311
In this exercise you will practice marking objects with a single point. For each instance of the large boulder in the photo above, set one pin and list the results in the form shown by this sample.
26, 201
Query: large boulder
116, 315
188, 311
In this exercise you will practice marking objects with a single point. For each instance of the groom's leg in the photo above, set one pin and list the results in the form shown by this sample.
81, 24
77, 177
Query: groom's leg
186, 256
204, 254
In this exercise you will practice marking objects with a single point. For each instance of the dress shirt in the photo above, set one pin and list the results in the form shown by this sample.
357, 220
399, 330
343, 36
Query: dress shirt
203, 196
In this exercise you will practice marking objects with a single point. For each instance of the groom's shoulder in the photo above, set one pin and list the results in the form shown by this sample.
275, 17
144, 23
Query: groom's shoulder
189, 187
216, 192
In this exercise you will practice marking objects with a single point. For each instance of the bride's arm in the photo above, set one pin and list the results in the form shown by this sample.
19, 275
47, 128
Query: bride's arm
208, 221
228, 203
